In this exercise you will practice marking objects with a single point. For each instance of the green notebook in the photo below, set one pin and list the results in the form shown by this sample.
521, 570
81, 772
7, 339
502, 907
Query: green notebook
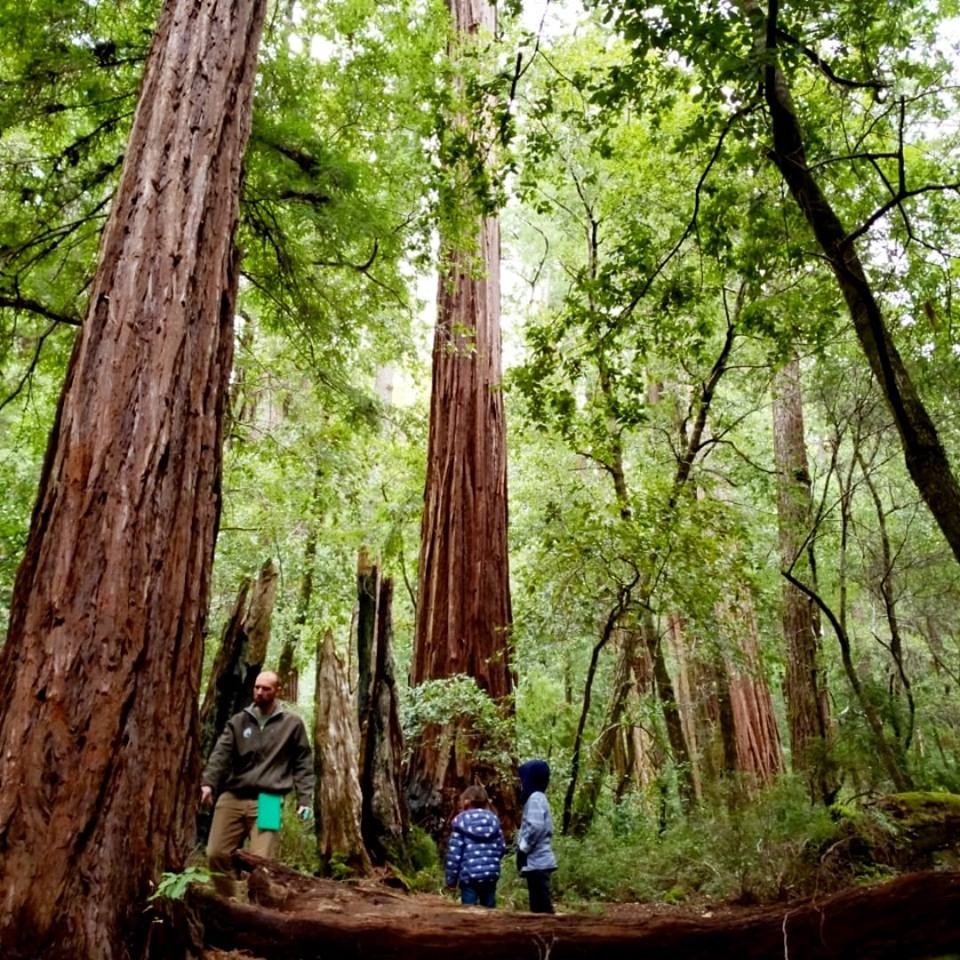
269, 806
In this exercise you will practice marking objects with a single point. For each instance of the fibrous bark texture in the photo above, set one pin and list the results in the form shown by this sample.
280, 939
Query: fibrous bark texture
756, 739
463, 610
100, 673
807, 710
337, 799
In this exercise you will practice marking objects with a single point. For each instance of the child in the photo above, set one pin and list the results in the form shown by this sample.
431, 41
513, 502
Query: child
475, 850
535, 859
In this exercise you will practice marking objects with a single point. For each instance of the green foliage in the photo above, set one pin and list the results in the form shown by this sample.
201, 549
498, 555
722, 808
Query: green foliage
460, 701
297, 840
421, 867
174, 886
749, 851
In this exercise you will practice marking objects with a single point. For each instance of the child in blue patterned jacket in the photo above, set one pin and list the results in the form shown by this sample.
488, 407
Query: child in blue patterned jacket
475, 850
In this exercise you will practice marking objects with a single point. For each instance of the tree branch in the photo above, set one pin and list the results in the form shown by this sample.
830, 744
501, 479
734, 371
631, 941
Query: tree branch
825, 67
16, 302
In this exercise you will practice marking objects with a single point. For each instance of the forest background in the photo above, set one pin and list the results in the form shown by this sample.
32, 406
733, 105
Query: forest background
693, 410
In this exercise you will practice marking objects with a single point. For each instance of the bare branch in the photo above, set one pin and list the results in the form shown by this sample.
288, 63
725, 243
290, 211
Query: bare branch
714, 156
825, 67
15, 302
28, 373
895, 202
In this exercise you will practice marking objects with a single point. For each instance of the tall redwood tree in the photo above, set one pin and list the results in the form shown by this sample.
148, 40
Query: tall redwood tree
463, 607
100, 673
805, 685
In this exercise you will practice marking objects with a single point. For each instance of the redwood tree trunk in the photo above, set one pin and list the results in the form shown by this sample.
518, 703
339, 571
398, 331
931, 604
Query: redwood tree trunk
463, 608
756, 739
99, 677
807, 711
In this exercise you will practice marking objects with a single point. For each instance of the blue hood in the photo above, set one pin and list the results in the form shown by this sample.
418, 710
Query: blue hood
534, 777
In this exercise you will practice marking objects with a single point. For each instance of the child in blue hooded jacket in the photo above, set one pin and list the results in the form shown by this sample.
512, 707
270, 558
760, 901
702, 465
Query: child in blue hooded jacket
475, 850
535, 859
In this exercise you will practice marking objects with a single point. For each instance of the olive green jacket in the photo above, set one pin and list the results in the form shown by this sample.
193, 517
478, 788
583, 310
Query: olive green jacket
248, 759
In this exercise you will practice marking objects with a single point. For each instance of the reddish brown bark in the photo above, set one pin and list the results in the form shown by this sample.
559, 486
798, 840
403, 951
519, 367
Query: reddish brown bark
756, 737
807, 710
463, 604
100, 673
912, 918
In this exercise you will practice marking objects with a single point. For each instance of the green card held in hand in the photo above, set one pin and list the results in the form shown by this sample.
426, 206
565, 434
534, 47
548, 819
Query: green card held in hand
268, 811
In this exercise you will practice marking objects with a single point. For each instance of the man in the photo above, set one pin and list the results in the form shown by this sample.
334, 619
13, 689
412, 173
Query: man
262, 750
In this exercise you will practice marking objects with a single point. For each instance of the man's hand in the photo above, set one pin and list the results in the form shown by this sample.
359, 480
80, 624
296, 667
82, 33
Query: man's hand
304, 813
206, 795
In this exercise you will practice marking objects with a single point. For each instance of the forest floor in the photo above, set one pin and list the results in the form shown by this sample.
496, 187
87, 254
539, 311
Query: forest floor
295, 917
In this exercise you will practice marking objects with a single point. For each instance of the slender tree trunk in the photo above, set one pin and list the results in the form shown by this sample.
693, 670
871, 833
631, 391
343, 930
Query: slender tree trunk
668, 703
463, 615
101, 670
368, 585
807, 710
900, 682
579, 819
687, 707
569, 821
337, 801
923, 452
889, 759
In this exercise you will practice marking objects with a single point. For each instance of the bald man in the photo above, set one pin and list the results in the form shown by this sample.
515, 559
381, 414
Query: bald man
262, 750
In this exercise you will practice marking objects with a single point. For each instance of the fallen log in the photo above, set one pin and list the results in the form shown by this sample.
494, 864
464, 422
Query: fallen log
915, 917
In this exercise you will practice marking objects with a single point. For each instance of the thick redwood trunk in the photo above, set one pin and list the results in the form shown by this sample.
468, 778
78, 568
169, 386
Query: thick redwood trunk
463, 604
807, 710
100, 673
224, 683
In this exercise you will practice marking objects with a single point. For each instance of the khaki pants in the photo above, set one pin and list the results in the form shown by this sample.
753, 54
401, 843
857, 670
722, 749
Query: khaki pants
233, 820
